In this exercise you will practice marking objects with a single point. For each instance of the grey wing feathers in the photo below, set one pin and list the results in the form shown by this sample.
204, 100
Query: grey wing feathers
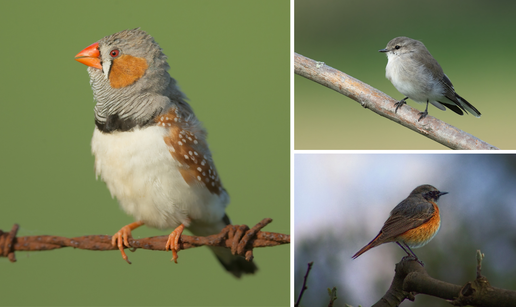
458, 100
406, 216
397, 225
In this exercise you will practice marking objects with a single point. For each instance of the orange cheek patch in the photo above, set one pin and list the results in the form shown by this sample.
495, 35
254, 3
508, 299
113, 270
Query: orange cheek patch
188, 150
125, 70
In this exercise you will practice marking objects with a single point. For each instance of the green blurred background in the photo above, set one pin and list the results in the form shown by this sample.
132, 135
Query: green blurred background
231, 58
473, 40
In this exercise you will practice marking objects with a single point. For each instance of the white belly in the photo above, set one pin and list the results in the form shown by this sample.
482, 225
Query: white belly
141, 173
418, 84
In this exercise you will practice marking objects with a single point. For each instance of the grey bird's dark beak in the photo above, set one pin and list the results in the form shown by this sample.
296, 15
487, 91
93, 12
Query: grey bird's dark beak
442, 193
383, 50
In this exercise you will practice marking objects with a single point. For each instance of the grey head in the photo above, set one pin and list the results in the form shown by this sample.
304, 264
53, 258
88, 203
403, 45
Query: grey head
133, 86
401, 45
427, 191
139, 44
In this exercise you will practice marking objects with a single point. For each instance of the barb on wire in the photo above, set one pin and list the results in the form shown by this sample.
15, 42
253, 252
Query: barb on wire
239, 238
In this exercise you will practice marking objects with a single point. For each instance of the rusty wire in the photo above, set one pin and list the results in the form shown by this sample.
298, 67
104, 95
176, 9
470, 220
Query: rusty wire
239, 238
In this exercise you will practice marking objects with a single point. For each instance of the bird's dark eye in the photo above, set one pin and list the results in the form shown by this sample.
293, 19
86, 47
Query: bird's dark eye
397, 47
432, 195
114, 53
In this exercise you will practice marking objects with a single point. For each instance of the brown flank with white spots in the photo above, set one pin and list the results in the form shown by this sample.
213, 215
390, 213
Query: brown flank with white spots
188, 149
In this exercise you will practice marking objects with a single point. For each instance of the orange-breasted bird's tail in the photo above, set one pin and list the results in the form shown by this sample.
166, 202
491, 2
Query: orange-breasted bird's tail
375, 242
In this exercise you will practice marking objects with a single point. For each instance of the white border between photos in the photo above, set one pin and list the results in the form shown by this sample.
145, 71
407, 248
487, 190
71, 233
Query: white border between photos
292, 236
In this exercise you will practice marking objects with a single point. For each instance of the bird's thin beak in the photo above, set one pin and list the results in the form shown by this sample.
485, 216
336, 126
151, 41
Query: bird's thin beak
442, 193
383, 50
90, 56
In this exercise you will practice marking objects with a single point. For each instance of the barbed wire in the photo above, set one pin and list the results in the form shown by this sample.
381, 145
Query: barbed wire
239, 238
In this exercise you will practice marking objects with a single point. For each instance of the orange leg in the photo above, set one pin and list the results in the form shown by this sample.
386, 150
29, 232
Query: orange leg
173, 241
122, 237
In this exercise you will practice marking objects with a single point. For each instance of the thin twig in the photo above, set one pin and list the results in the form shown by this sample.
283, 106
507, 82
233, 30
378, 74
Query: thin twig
383, 105
251, 238
304, 284
480, 257
333, 296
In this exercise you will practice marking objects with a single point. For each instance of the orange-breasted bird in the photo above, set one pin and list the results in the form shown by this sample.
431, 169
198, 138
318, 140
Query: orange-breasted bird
150, 148
412, 223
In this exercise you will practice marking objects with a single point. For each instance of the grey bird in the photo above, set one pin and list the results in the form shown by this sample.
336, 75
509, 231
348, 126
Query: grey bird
416, 74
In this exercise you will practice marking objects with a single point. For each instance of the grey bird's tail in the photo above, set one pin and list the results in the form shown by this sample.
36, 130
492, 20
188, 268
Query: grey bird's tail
468, 106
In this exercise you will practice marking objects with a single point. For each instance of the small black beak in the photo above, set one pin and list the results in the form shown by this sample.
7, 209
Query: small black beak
442, 193
383, 50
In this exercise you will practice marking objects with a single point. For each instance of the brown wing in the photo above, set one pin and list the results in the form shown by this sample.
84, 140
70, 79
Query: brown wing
186, 141
409, 214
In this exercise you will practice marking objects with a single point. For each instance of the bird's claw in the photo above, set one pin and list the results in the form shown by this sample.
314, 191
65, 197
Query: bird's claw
173, 242
399, 104
121, 239
423, 115
414, 259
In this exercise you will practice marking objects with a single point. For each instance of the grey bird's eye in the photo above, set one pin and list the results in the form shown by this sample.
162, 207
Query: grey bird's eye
397, 47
